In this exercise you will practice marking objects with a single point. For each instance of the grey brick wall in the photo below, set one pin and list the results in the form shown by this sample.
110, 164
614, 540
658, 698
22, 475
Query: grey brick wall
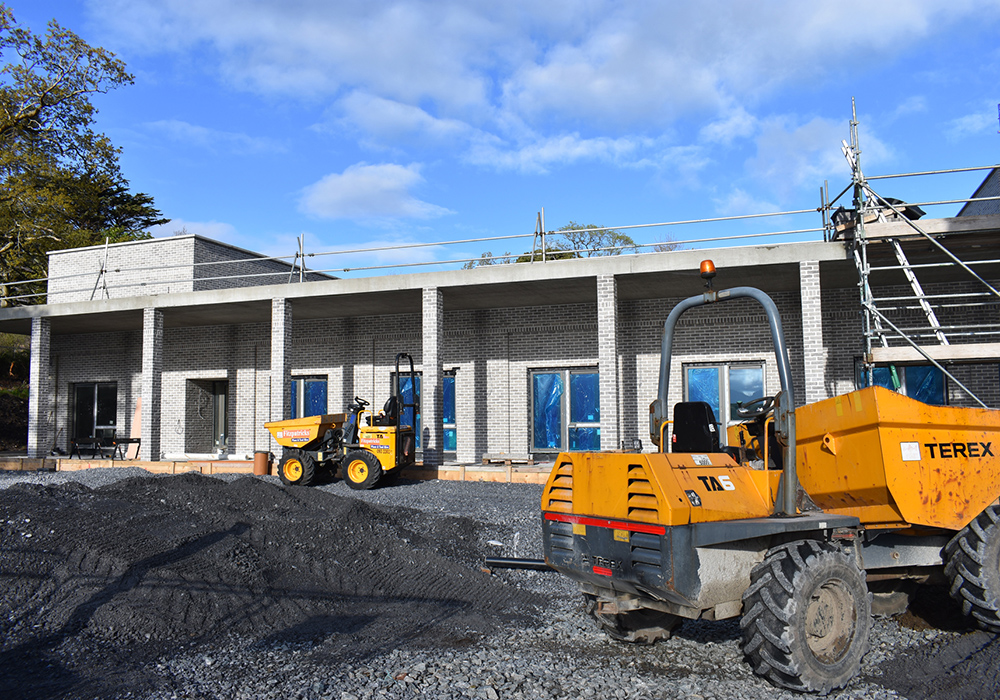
491, 350
159, 266
607, 351
152, 382
430, 400
40, 413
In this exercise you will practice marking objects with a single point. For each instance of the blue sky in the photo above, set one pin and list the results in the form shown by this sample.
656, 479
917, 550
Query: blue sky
371, 124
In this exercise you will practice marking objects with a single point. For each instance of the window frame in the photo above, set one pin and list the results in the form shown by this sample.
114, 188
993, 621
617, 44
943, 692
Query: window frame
220, 414
567, 425
98, 428
860, 378
449, 376
297, 393
724, 417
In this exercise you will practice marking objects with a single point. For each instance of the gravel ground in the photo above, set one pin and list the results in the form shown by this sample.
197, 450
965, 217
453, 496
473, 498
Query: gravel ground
128, 585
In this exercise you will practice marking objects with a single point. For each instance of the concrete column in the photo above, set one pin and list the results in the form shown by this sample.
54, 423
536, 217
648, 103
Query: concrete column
281, 365
430, 384
468, 404
40, 389
813, 351
607, 359
152, 382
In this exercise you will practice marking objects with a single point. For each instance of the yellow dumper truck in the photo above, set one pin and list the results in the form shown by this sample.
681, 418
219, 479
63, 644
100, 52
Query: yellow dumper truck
369, 449
793, 526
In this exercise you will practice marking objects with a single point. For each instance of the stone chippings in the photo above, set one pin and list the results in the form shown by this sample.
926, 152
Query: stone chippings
550, 651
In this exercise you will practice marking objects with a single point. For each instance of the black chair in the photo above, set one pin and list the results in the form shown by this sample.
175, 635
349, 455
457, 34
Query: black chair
694, 428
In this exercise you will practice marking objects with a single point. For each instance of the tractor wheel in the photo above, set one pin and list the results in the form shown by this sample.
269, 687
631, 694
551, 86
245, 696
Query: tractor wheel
642, 626
362, 469
973, 567
806, 617
297, 468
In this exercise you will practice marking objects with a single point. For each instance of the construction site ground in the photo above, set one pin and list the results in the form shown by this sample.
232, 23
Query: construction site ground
122, 584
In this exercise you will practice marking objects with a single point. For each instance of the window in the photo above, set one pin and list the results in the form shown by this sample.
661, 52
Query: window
95, 410
308, 396
406, 394
921, 382
565, 410
220, 414
450, 431
722, 386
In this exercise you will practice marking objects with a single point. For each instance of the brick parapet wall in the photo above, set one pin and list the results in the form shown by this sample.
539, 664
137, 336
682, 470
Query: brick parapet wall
160, 266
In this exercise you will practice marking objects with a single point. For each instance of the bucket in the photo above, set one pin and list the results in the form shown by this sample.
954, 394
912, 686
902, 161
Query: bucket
261, 463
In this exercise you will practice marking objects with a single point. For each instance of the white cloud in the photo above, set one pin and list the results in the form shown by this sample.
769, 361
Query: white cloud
212, 139
736, 123
597, 63
540, 153
531, 87
365, 191
790, 155
739, 202
390, 120
982, 121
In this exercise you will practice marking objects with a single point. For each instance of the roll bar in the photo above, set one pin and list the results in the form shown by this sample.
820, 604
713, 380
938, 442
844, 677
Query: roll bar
785, 406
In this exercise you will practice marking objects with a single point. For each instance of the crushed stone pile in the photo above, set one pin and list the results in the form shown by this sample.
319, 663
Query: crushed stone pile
150, 564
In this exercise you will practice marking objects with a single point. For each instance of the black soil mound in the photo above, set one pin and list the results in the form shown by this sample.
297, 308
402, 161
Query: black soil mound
95, 581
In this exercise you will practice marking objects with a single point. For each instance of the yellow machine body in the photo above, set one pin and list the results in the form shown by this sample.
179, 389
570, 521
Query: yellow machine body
895, 462
657, 488
303, 432
385, 443
786, 524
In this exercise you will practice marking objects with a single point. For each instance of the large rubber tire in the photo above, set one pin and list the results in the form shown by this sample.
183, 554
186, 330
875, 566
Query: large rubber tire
362, 469
297, 468
973, 567
806, 617
642, 626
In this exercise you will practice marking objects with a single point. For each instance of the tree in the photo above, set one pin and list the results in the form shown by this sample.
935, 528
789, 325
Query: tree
571, 241
60, 184
666, 243
591, 240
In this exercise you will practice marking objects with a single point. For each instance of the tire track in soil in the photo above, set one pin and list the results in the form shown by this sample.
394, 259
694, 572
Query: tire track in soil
98, 582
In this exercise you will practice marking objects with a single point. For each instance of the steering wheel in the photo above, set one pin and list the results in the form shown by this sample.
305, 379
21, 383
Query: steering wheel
756, 408
360, 401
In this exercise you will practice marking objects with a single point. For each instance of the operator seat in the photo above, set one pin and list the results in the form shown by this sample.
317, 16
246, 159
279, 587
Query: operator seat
694, 429
390, 413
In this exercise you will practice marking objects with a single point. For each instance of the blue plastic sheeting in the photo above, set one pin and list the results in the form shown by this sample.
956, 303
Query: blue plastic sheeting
585, 439
703, 385
315, 397
314, 392
882, 376
448, 400
406, 416
448, 413
745, 384
924, 383
547, 391
584, 398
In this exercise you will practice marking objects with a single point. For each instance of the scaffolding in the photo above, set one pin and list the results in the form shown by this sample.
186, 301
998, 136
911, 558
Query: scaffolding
949, 313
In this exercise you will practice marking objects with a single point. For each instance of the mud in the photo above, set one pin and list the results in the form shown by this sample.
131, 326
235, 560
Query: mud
96, 583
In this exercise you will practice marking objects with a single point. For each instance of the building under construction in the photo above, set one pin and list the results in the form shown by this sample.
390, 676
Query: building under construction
520, 360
